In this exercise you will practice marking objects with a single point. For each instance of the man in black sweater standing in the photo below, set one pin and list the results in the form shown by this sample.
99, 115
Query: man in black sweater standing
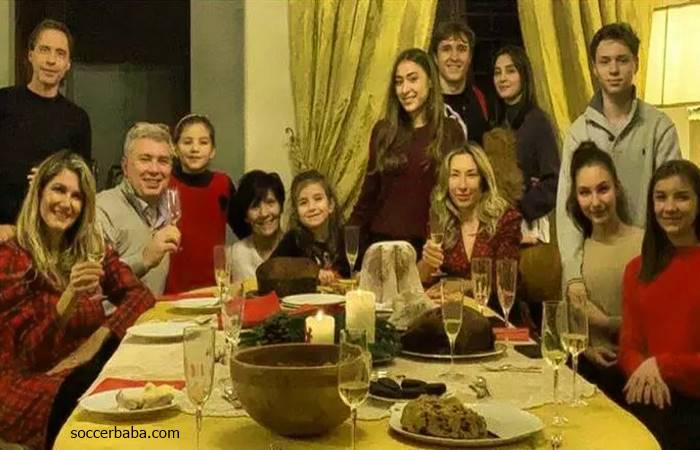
452, 48
36, 120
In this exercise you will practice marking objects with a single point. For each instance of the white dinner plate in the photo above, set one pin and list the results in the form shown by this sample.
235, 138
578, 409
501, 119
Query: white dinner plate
160, 330
498, 348
105, 402
202, 303
509, 423
313, 299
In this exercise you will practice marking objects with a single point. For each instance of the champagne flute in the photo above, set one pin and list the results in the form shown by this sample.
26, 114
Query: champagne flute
452, 295
481, 281
222, 270
574, 338
506, 280
553, 352
198, 352
232, 306
174, 205
437, 235
352, 246
96, 251
353, 372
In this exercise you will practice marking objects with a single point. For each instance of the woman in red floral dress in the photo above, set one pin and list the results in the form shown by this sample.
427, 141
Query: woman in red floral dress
476, 220
62, 314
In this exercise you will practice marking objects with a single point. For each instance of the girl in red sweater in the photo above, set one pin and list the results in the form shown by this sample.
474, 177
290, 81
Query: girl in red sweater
659, 338
205, 196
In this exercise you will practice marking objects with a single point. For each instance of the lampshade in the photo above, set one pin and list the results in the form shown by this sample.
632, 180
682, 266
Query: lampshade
673, 69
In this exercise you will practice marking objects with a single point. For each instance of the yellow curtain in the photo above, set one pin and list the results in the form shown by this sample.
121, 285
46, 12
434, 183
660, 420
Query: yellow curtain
341, 54
556, 34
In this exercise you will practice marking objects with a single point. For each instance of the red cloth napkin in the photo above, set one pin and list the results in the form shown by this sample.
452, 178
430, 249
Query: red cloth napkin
257, 309
109, 384
512, 334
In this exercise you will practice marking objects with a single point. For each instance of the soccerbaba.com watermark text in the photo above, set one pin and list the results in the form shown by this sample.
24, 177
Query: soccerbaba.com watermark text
124, 433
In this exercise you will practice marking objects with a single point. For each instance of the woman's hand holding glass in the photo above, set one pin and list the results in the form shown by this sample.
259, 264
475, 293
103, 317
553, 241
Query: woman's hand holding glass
433, 255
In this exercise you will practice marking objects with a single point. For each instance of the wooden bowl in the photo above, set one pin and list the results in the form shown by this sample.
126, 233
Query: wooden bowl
291, 389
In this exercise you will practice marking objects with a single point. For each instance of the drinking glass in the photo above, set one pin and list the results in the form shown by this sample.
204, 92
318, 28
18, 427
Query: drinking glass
553, 319
452, 302
352, 245
97, 248
353, 372
437, 235
174, 206
232, 306
198, 351
222, 270
481, 281
506, 279
574, 338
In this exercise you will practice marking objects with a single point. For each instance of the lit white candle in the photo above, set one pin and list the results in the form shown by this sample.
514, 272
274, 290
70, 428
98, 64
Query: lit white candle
320, 328
359, 312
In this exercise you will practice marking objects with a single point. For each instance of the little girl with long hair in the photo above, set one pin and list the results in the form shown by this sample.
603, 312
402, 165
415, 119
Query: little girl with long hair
315, 226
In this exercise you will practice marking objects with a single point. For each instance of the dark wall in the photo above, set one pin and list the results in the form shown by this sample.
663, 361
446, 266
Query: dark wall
153, 32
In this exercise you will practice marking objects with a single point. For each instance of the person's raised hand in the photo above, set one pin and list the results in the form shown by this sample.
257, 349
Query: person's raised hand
165, 240
433, 255
7, 232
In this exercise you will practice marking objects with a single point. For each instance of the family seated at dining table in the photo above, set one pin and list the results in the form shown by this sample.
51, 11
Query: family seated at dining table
78, 268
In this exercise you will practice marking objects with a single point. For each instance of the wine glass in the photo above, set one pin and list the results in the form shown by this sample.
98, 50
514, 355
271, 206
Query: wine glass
222, 270
232, 306
198, 351
97, 248
353, 372
574, 338
352, 245
174, 206
553, 318
506, 279
481, 281
452, 295
437, 235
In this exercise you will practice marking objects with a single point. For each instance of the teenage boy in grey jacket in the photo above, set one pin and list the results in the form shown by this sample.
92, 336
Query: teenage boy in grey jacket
637, 136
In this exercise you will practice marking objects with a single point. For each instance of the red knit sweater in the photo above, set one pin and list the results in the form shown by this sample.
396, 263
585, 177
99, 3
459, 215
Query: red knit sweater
203, 225
660, 319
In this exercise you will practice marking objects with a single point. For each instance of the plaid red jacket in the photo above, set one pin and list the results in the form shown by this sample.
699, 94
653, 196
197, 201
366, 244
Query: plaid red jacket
32, 340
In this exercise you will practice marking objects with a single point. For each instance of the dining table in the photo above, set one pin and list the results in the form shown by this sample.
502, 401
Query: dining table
601, 424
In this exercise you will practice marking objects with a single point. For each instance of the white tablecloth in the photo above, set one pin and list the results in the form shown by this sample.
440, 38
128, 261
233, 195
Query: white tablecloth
139, 359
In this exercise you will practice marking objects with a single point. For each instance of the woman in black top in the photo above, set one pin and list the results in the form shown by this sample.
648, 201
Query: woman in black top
516, 109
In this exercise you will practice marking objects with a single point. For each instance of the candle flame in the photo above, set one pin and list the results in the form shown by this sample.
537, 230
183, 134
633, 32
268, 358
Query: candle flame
319, 315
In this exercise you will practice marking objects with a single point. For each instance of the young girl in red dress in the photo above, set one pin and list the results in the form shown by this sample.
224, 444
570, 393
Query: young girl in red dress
205, 196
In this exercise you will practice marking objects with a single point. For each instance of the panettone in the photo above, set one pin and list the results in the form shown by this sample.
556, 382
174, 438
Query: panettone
427, 334
287, 276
